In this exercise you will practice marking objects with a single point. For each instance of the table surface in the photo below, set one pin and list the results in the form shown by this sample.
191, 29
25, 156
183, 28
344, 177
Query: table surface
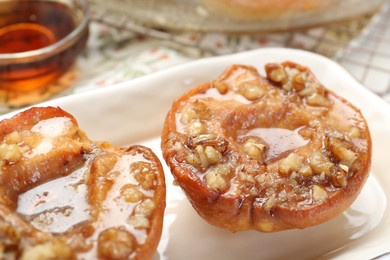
117, 50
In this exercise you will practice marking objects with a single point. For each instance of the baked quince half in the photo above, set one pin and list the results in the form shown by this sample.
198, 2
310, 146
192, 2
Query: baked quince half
268, 153
63, 196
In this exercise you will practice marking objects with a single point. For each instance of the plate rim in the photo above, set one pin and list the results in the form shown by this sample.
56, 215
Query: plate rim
135, 85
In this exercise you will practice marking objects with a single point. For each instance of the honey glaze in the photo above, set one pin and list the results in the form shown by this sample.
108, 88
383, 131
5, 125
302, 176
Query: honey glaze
64, 203
213, 93
48, 131
52, 127
277, 140
115, 205
57, 205
118, 209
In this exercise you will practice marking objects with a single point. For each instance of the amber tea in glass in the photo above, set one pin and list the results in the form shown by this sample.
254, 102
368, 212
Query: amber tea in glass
39, 41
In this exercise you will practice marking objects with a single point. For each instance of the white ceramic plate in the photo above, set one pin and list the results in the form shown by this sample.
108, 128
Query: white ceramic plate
133, 112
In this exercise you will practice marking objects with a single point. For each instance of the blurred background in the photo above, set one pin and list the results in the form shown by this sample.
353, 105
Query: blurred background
132, 38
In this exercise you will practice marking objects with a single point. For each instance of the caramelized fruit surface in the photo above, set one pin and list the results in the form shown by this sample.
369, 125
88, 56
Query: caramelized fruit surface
267, 153
63, 196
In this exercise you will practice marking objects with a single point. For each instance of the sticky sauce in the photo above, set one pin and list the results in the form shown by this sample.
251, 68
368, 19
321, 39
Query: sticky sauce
114, 206
57, 205
230, 95
47, 132
114, 211
52, 127
278, 140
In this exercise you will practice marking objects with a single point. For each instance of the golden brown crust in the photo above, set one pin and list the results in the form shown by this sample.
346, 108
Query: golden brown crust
267, 153
148, 252
46, 144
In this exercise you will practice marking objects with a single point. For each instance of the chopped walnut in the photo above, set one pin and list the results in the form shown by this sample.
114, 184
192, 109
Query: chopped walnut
144, 173
138, 221
210, 139
195, 110
207, 150
276, 73
145, 208
289, 164
215, 180
246, 177
196, 128
344, 167
188, 114
267, 206
338, 176
310, 89
206, 138
131, 193
10, 152
307, 132
255, 150
354, 132
215, 177
319, 193
115, 243
262, 178
305, 170
178, 147
213, 155
8, 235
298, 82
193, 160
253, 191
340, 150
251, 92
221, 86
336, 134
48, 250
320, 163
13, 138
317, 100
204, 162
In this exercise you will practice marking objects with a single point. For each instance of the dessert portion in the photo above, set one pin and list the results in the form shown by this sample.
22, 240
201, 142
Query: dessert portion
267, 153
63, 196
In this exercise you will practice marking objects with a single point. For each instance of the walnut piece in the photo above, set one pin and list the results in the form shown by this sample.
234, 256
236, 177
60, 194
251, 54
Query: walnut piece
115, 243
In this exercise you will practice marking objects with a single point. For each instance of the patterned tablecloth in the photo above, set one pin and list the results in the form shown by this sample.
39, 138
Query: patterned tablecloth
115, 54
